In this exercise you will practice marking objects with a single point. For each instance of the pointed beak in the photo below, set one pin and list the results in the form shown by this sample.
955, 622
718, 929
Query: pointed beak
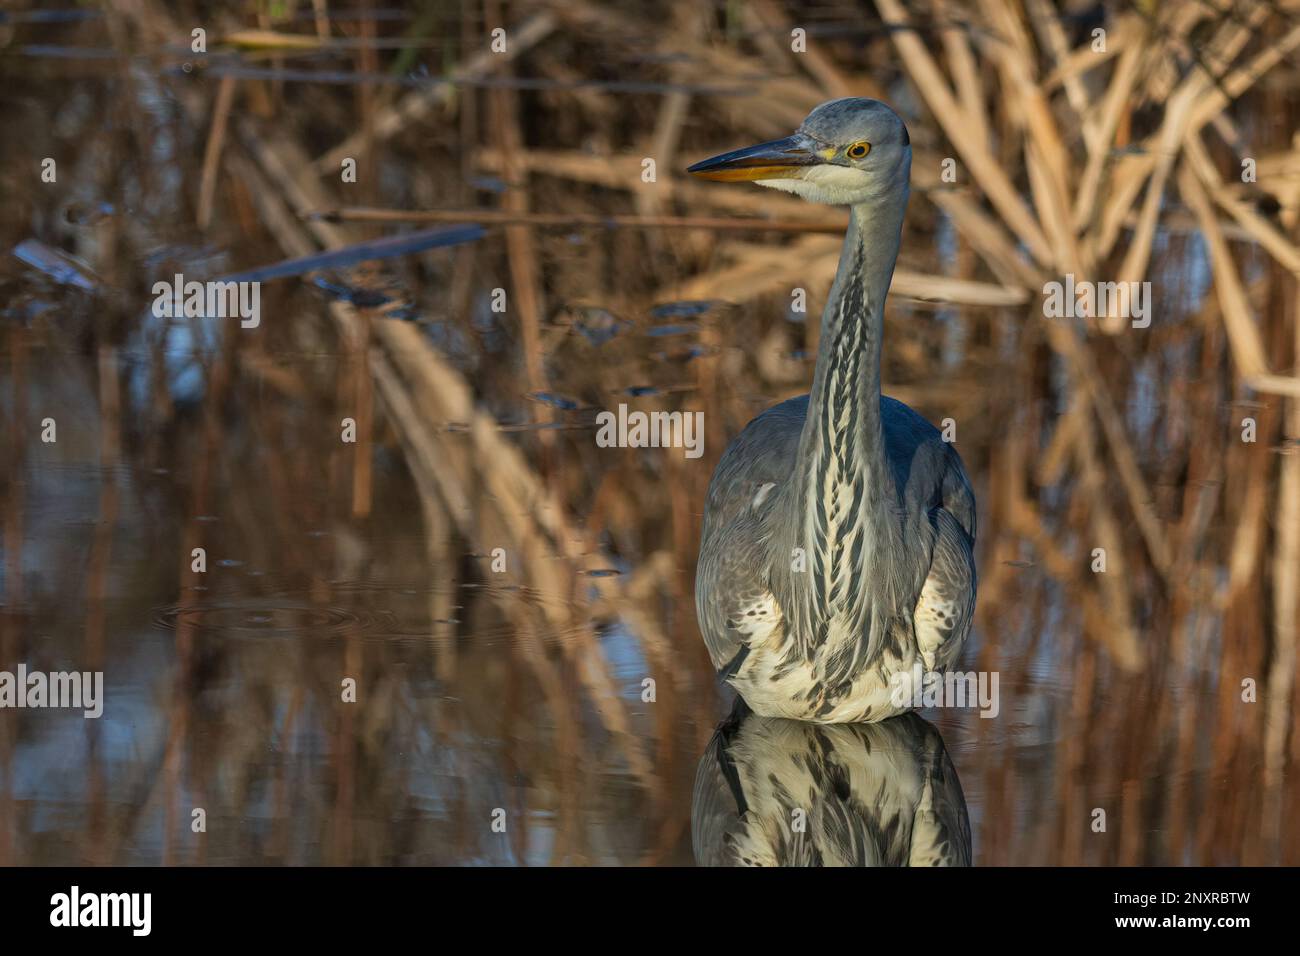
780, 159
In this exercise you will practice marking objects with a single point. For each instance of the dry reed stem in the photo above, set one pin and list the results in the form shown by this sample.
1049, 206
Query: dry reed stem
498, 217
811, 263
1100, 134
985, 169
1286, 610
447, 399
1269, 237
212, 154
416, 106
1238, 318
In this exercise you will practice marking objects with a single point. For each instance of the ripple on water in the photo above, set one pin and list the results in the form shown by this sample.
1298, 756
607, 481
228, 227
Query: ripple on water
686, 308
289, 612
281, 619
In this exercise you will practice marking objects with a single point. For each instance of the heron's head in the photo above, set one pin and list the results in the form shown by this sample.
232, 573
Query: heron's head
846, 152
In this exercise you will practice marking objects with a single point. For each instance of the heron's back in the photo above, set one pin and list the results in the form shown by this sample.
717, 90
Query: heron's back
926, 469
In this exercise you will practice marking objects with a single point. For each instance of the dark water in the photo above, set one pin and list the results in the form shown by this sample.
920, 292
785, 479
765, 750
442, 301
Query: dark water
223, 690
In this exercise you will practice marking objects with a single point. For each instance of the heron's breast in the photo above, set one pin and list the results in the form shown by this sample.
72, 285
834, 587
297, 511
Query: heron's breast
775, 685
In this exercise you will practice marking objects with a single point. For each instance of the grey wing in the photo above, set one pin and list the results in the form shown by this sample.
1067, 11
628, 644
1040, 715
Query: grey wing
958, 499
946, 606
927, 469
733, 598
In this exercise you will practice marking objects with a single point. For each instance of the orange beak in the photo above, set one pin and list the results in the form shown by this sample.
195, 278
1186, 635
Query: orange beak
780, 159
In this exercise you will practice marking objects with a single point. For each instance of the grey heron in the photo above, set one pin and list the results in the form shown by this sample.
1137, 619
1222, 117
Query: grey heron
776, 792
839, 530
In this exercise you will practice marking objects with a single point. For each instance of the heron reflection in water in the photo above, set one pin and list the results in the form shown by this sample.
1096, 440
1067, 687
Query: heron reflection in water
839, 530
776, 792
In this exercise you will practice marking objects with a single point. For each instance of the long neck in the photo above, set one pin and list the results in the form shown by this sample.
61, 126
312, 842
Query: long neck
844, 487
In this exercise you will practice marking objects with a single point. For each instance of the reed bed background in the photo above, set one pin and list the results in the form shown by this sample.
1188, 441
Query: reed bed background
522, 170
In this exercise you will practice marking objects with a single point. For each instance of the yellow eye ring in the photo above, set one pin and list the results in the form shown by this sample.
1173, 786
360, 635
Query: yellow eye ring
858, 150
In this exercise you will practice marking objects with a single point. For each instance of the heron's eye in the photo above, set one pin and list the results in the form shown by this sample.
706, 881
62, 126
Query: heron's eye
858, 150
